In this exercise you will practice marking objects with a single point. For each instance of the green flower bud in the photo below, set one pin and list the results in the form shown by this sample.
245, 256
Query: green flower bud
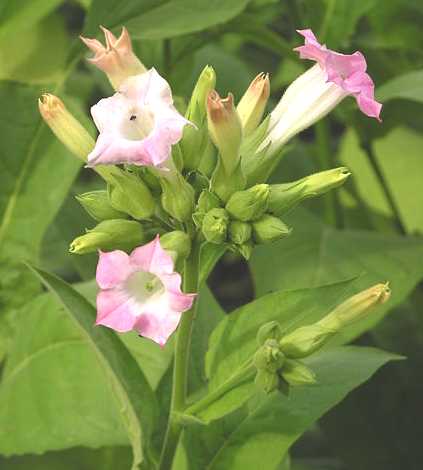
177, 196
305, 340
296, 373
356, 307
176, 242
110, 235
246, 249
206, 202
270, 330
215, 224
128, 193
195, 140
239, 232
269, 356
269, 229
97, 204
283, 197
250, 204
267, 381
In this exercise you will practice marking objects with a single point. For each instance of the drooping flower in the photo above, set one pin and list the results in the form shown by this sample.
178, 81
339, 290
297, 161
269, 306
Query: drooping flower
117, 59
138, 124
141, 292
318, 90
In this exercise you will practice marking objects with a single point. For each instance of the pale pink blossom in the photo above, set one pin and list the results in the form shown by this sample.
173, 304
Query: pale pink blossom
138, 124
141, 292
348, 71
116, 59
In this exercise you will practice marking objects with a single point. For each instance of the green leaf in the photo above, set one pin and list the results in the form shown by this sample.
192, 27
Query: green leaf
149, 19
261, 435
316, 254
129, 386
408, 86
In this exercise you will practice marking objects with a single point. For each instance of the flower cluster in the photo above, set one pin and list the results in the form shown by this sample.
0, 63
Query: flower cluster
176, 182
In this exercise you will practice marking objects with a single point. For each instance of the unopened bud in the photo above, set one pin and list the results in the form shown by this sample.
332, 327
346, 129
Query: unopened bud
284, 197
251, 106
296, 373
250, 204
246, 249
215, 225
110, 235
117, 59
269, 357
269, 229
267, 381
66, 127
225, 129
356, 307
128, 193
206, 202
196, 139
270, 330
97, 204
305, 340
177, 196
239, 232
177, 243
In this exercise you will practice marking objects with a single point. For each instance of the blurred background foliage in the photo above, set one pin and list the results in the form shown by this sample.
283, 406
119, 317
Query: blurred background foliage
372, 227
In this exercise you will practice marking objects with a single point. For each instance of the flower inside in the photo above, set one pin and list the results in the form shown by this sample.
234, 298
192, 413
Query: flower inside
143, 286
137, 123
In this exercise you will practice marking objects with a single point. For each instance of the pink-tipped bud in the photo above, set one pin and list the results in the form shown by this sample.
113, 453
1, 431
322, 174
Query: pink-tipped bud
251, 107
117, 58
65, 126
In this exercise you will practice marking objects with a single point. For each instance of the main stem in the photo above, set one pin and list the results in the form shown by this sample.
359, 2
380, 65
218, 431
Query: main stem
181, 363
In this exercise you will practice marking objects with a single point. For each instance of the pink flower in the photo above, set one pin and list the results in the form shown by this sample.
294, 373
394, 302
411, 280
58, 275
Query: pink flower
138, 124
117, 59
348, 71
141, 292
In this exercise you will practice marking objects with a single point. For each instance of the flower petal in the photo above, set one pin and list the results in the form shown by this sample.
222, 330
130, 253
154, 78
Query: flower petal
113, 268
152, 258
177, 299
158, 325
115, 310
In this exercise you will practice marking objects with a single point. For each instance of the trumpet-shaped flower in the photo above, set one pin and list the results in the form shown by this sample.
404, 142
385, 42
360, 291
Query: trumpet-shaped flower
141, 292
138, 124
117, 59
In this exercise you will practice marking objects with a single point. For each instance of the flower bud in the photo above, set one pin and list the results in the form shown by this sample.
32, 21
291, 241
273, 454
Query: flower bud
269, 229
128, 193
117, 59
110, 235
215, 226
97, 204
251, 106
267, 381
225, 184
239, 232
225, 129
196, 139
177, 243
296, 373
284, 197
305, 340
270, 330
177, 196
356, 307
66, 127
250, 204
246, 249
269, 357
206, 202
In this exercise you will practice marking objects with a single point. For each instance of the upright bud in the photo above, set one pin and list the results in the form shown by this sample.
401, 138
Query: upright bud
117, 59
283, 197
110, 235
239, 232
251, 106
177, 243
356, 307
250, 204
215, 225
225, 129
97, 204
270, 330
128, 193
65, 126
196, 139
269, 229
206, 202
177, 196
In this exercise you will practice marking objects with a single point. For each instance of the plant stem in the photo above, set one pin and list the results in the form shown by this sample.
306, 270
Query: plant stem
181, 363
327, 19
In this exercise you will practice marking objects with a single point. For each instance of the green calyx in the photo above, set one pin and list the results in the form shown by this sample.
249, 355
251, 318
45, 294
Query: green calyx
269, 229
177, 196
215, 225
239, 232
178, 243
98, 206
250, 204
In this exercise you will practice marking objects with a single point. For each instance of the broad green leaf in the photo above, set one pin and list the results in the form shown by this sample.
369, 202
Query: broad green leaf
261, 435
130, 387
315, 254
400, 158
149, 19
408, 86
